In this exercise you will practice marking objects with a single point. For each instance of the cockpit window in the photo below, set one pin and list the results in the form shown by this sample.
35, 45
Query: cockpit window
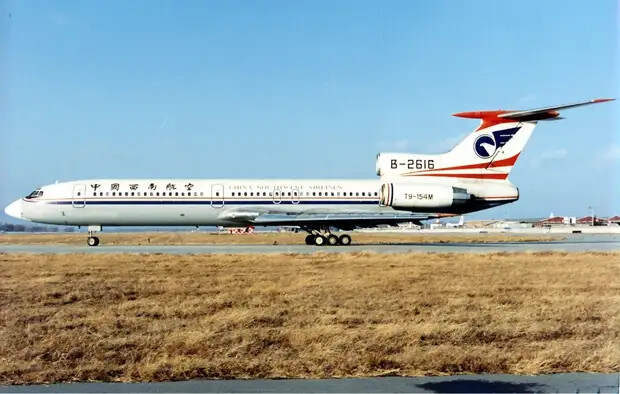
35, 194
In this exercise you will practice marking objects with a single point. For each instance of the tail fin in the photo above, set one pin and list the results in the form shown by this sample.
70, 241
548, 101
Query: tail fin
489, 152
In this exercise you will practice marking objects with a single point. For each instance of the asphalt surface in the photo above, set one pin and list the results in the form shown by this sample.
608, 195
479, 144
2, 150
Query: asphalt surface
557, 383
572, 243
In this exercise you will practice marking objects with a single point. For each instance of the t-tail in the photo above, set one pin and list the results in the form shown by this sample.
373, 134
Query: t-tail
488, 153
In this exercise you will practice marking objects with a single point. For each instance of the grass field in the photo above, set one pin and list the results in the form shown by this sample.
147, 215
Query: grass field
201, 238
161, 317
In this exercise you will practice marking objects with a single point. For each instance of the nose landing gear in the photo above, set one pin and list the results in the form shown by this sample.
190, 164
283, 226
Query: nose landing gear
92, 240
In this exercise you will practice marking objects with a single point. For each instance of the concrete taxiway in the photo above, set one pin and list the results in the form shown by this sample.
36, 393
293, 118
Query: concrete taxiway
556, 383
572, 243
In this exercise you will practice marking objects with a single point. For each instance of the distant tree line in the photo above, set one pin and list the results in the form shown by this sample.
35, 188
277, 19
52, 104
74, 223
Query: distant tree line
22, 228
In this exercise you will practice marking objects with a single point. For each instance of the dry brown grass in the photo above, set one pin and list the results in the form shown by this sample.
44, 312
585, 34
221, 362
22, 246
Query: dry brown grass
160, 317
199, 238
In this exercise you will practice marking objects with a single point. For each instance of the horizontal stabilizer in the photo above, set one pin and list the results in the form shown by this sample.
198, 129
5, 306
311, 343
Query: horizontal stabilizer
491, 118
548, 112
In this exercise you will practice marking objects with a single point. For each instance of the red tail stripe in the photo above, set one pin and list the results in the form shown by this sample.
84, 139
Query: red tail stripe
475, 176
487, 118
500, 163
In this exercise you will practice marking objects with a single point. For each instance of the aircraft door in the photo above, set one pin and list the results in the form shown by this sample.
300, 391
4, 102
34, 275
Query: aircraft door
296, 194
217, 196
79, 195
277, 194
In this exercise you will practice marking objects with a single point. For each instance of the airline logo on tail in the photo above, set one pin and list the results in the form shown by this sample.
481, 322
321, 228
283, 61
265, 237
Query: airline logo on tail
487, 144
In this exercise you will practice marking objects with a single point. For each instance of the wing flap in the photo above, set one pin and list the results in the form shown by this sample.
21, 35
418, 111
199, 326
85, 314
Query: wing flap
343, 221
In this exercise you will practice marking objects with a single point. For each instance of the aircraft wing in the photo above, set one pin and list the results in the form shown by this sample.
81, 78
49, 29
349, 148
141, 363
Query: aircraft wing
343, 221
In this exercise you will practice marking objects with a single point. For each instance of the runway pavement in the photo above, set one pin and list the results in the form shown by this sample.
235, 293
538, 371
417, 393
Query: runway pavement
572, 243
557, 383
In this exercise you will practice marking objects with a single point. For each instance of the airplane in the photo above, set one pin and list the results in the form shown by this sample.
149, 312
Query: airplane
411, 188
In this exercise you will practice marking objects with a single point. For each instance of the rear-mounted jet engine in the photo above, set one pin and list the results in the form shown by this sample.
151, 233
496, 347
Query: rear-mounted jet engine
420, 196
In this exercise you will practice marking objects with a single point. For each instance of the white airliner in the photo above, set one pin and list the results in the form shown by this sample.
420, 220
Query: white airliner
412, 187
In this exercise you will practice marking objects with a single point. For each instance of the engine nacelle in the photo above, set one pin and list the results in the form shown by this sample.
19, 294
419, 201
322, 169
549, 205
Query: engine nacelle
412, 196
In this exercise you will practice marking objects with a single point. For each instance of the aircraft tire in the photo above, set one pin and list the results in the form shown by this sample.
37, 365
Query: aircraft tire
92, 241
344, 240
332, 240
309, 239
319, 240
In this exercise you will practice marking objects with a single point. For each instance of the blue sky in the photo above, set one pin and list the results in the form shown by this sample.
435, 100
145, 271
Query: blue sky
263, 89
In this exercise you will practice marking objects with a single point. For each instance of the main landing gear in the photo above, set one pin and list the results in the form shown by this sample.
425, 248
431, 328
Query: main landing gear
318, 239
92, 240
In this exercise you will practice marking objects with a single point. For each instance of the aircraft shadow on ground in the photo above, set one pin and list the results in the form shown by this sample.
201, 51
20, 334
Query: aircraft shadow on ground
481, 386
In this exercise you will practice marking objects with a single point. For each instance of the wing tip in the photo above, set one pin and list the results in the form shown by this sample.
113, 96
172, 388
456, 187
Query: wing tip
602, 100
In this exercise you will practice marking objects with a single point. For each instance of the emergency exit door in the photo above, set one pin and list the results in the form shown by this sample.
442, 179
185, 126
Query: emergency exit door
79, 195
217, 196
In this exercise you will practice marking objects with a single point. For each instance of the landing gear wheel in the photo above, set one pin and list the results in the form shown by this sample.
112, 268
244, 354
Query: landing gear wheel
92, 241
319, 240
332, 240
344, 240
309, 239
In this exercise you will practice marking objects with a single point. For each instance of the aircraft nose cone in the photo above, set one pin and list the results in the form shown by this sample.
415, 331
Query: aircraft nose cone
14, 209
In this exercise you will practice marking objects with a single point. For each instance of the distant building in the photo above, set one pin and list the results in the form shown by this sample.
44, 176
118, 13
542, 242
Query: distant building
614, 221
589, 221
555, 221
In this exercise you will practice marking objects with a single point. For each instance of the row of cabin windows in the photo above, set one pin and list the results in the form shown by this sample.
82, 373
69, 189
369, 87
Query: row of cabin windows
217, 194
138, 194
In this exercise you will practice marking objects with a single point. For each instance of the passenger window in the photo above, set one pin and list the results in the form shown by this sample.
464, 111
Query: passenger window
314, 193
357, 193
289, 193
332, 193
78, 193
375, 194
264, 194
94, 194
252, 194
217, 193
157, 194
176, 193
364, 194
320, 194
132, 194
245, 193
201, 193
100, 194
113, 193
126, 193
